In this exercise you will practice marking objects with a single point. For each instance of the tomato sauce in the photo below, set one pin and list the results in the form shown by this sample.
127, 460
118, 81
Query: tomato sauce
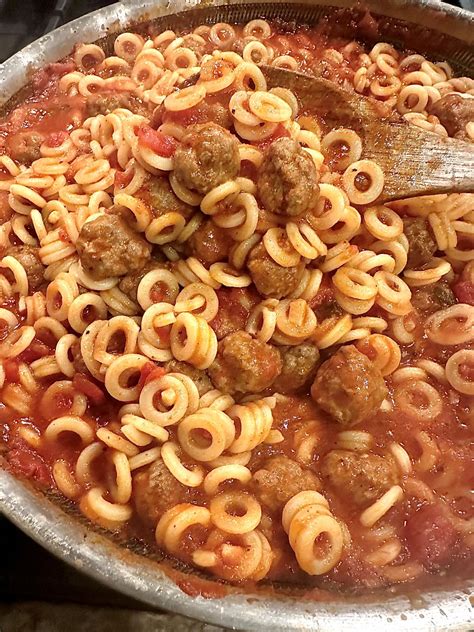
427, 527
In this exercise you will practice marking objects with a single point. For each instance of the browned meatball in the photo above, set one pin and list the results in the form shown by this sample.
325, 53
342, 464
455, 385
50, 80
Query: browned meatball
270, 278
163, 200
421, 245
209, 243
6, 212
281, 478
207, 156
108, 247
25, 146
433, 297
299, 367
155, 490
108, 102
29, 258
454, 112
349, 387
287, 180
130, 282
244, 365
361, 478
200, 378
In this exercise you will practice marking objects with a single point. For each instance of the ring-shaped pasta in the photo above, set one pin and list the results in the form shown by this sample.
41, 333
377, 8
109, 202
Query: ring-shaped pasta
355, 283
419, 400
224, 274
85, 308
168, 399
235, 512
119, 374
459, 369
372, 172
198, 298
17, 341
186, 476
269, 107
176, 521
111, 512
383, 223
279, 248
451, 326
295, 319
69, 423
231, 472
383, 351
192, 340
185, 98
380, 507
342, 137
219, 433
324, 217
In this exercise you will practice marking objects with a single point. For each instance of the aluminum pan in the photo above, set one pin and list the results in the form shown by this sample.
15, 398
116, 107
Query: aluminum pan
79, 544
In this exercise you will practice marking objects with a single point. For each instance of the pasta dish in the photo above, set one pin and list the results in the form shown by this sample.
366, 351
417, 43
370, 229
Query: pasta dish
212, 336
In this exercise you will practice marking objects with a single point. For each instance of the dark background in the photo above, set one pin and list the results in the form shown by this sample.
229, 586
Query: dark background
22, 21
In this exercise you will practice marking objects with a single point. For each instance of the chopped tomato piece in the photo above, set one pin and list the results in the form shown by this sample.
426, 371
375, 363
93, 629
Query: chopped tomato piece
150, 371
430, 535
37, 349
10, 366
184, 117
464, 292
29, 464
122, 179
164, 334
325, 294
160, 143
84, 385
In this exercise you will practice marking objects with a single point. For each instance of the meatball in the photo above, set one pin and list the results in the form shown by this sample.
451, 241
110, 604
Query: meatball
107, 103
25, 146
130, 282
433, 297
29, 258
421, 245
361, 478
209, 243
454, 112
349, 387
281, 478
299, 367
244, 365
200, 379
6, 212
269, 278
207, 156
234, 308
287, 179
155, 490
108, 247
163, 200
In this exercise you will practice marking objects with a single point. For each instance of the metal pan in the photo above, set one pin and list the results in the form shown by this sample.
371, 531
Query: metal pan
428, 26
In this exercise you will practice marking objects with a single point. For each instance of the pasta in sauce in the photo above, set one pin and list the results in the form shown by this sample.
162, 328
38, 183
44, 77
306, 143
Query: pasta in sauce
212, 336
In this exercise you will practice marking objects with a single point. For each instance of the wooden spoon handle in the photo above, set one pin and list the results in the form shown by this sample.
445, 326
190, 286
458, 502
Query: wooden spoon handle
414, 161
418, 162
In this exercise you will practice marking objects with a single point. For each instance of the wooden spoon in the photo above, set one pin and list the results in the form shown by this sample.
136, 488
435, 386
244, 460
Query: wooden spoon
414, 161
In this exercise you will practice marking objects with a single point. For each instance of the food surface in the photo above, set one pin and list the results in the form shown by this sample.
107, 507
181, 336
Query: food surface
212, 336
